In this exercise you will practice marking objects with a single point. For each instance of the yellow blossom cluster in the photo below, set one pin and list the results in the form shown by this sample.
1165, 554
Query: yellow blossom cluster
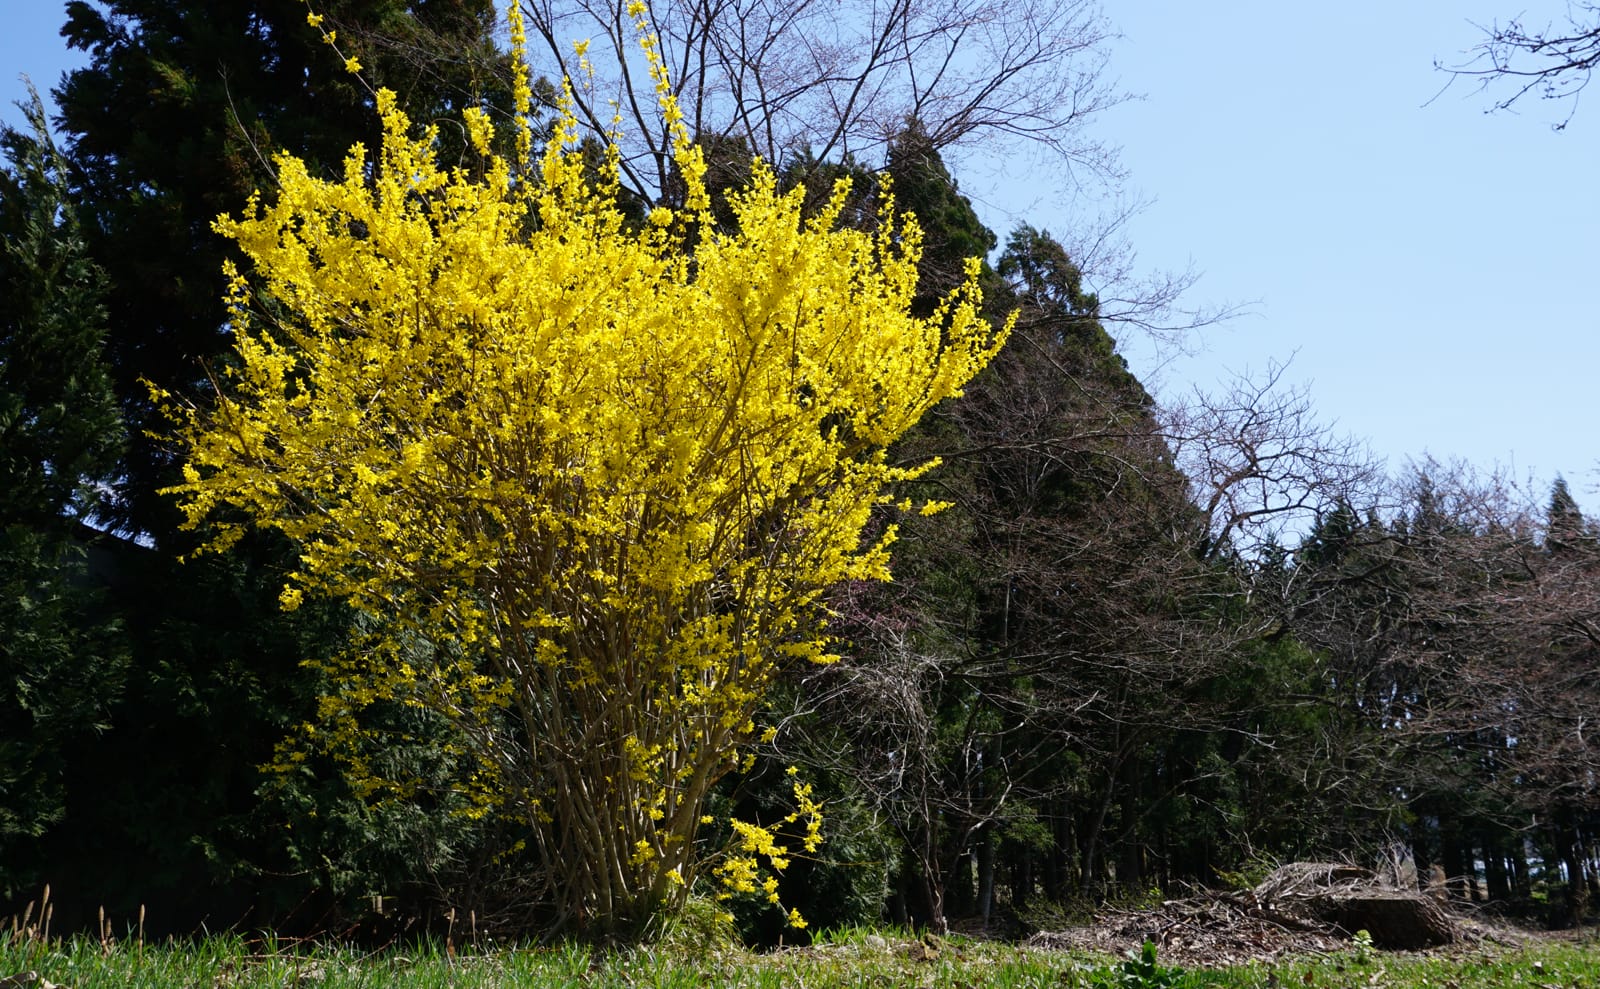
330, 37
756, 848
611, 467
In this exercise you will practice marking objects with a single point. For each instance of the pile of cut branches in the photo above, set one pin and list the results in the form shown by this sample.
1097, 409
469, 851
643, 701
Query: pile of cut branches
1301, 908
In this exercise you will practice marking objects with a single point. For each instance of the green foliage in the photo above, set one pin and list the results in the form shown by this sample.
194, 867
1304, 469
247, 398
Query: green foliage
1361, 946
952, 231
163, 799
1003, 701
700, 926
1249, 874
59, 433
62, 666
61, 661
1140, 971
843, 884
1044, 276
173, 809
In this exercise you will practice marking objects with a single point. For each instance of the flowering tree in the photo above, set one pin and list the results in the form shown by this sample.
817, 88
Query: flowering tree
603, 473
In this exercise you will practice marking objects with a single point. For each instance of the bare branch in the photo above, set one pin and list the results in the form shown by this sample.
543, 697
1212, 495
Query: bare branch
1554, 62
841, 79
1260, 465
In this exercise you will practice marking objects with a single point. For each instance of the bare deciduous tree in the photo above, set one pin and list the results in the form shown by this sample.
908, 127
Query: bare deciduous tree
1260, 465
1509, 597
835, 78
1471, 621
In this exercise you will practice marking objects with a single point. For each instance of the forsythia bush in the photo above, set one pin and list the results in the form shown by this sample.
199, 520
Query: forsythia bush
604, 471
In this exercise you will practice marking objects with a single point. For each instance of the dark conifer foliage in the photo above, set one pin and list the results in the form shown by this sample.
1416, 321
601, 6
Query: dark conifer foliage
1027, 705
61, 662
952, 232
176, 120
59, 431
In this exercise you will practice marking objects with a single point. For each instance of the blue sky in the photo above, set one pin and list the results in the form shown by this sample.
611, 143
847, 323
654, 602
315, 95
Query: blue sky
1429, 268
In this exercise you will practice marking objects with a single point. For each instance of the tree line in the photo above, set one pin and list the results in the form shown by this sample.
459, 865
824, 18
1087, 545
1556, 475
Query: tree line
1145, 645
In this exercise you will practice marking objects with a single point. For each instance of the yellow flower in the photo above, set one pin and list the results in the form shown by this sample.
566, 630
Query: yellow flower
315, 20
494, 410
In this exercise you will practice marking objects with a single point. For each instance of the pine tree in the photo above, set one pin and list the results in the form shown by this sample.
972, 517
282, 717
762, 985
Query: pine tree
1565, 526
60, 660
59, 430
173, 122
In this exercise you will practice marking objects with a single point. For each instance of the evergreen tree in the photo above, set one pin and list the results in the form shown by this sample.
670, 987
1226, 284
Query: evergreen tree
1022, 673
60, 659
1565, 527
175, 120
59, 430
952, 232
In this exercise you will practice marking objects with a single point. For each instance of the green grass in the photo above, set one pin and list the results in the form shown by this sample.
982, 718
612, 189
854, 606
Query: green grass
848, 959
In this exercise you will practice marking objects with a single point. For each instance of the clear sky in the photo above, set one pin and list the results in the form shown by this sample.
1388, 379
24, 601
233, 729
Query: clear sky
1430, 269
31, 43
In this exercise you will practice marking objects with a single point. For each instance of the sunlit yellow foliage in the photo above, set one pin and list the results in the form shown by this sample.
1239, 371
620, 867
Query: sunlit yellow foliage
617, 466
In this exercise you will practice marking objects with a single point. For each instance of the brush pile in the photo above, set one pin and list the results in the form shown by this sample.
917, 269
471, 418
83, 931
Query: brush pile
1300, 908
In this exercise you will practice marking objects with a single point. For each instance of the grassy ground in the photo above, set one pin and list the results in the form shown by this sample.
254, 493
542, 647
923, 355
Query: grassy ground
854, 959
